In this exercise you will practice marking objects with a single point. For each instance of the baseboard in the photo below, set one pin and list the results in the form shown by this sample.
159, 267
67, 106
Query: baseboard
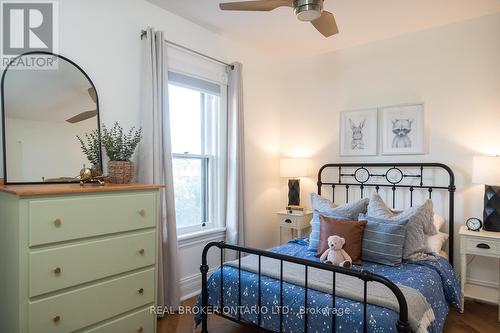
483, 283
191, 285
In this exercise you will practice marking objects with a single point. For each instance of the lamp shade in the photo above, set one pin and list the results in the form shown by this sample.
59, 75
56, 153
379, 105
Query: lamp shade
486, 170
295, 167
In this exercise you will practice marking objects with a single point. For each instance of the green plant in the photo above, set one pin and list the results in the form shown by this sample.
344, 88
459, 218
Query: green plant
120, 146
91, 146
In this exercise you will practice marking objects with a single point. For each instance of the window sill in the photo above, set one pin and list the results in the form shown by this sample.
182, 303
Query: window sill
201, 236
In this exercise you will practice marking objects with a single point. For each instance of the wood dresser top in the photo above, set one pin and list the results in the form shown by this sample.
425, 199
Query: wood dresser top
50, 189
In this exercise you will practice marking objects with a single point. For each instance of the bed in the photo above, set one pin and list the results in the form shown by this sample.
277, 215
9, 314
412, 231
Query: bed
287, 289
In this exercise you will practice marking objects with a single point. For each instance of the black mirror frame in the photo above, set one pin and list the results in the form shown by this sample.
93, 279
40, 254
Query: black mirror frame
5, 178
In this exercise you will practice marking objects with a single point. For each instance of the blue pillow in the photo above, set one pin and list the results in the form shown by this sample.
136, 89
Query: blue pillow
383, 240
325, 207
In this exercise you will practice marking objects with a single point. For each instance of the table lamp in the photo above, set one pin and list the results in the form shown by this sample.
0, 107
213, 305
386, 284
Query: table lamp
294, 168
486, 170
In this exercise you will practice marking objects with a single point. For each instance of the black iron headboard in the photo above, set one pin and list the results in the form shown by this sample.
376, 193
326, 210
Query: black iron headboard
393, 177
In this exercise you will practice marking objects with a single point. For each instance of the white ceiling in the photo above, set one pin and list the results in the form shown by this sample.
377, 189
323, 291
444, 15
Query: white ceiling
359, 21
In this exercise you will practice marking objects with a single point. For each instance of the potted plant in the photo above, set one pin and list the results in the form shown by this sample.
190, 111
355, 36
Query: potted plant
120, 147
91, 148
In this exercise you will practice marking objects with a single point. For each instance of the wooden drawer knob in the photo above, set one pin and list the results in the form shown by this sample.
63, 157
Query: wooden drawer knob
140, 329
57, 222
56, 319
141, 252
142, 212
57, 270
141, 291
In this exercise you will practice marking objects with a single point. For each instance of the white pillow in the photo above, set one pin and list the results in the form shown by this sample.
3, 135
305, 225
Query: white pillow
434, 244
439, 221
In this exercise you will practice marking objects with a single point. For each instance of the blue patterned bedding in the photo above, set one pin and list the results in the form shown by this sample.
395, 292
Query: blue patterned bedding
435, 279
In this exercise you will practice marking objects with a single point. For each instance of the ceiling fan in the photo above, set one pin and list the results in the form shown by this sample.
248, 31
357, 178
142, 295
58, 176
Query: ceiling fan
86, 114
305, 10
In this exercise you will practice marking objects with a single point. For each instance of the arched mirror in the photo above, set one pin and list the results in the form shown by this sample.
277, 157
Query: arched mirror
44, 111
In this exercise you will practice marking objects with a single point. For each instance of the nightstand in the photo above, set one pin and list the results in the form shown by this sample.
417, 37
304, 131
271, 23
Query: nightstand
297, 222
478, 243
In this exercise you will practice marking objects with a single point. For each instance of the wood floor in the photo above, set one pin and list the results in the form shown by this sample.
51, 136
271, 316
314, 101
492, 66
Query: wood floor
478, 318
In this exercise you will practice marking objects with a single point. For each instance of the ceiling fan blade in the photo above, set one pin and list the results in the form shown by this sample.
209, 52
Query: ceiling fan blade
92, 94
263, 5
82, 116
326, 24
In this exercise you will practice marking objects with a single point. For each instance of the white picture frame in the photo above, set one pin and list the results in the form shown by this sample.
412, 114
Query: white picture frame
359, 132
402, 129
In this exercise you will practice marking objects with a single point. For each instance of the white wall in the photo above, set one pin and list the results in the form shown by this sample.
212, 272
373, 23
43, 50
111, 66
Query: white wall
454, 70
102, 36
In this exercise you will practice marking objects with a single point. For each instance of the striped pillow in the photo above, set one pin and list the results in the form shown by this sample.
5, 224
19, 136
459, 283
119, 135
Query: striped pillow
323, 206
383, 240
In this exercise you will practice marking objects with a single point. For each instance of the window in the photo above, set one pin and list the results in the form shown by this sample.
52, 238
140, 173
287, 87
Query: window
197, 119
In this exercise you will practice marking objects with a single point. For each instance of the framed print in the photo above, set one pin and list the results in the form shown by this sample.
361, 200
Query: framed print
358, 132
402, 129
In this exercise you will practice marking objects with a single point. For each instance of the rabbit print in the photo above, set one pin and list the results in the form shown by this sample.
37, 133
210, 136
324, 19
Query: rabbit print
357, 134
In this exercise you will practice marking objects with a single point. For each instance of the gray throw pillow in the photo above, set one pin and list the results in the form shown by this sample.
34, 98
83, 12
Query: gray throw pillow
383, 240
325, 207
420, 223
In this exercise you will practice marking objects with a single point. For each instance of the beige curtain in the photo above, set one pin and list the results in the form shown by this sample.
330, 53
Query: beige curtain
235, 203
154, 161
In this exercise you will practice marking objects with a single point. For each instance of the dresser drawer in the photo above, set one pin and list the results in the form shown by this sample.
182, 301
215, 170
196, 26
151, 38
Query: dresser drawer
294, 221
482, 246
138, 322
70, 265
83, 307
61, 219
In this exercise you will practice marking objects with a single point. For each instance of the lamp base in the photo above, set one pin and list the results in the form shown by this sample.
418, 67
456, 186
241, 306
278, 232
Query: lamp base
293, 192
491, 214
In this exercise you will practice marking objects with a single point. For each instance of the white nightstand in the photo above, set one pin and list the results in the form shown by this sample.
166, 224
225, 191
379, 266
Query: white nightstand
478, 243
296, 221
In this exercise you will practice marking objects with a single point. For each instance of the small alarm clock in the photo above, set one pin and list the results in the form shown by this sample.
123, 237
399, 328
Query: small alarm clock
474, 224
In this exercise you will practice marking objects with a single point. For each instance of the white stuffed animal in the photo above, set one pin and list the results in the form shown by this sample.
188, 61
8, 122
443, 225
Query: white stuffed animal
335, 254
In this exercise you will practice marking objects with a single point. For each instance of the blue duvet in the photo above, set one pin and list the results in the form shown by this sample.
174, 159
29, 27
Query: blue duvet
435, 279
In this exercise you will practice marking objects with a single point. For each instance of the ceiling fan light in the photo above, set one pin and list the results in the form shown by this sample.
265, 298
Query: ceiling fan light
308, 15
308, 10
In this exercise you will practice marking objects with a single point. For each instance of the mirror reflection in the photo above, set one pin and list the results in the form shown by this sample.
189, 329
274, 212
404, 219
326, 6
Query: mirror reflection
44, 112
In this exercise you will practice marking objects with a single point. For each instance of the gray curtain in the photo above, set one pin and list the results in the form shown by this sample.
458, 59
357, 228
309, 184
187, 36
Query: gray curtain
235, 203
154, 161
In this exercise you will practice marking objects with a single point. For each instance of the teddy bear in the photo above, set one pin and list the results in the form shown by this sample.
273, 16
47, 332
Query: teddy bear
335, 254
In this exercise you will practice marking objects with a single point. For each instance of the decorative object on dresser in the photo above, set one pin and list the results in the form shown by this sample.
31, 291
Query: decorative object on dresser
294, 168
119, 148
296, 221
482, 243
402, 129
43, 112
91, 147
78, 258
358, 132
486, 170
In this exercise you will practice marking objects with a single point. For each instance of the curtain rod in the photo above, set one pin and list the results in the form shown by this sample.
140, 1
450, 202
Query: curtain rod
143, 34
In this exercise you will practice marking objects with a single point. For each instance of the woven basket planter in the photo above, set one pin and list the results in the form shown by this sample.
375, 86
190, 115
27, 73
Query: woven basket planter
120, 172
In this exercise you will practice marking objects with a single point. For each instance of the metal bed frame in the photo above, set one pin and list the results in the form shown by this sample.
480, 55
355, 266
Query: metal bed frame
392, 179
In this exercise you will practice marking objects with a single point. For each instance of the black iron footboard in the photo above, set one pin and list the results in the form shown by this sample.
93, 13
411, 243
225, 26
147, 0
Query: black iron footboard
402, 324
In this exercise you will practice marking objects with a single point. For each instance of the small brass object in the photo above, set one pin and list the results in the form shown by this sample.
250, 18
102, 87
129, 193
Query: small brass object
141, 252
87, 175
56, 319
141, 291
142, 212
57, 222
140, 329
57, 270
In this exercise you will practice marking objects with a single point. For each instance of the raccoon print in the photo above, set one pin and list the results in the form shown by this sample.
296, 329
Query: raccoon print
401, 128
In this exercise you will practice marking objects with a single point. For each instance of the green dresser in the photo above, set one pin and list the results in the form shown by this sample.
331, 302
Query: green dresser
78, 259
